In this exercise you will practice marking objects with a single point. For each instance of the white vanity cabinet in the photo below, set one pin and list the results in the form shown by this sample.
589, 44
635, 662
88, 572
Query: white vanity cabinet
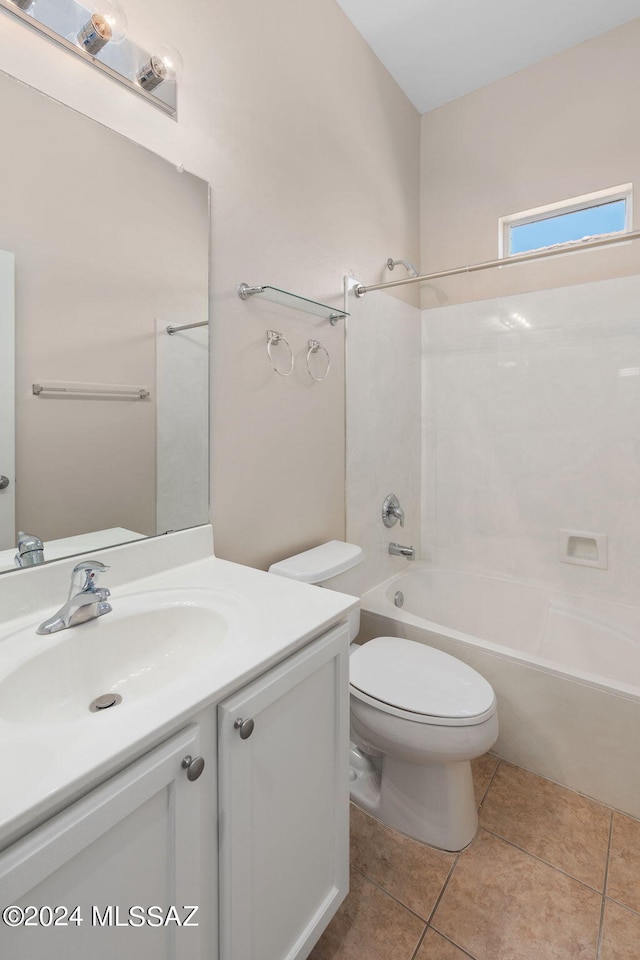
135, 841
265, 823
284, 804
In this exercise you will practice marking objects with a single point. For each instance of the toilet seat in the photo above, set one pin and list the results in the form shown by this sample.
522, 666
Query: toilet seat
419, 683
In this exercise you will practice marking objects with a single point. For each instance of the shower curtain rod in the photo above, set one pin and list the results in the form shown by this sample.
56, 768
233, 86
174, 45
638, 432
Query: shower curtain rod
360, 290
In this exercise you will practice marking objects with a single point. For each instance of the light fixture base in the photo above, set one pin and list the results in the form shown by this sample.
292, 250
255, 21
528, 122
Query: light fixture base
151, 75
90, 39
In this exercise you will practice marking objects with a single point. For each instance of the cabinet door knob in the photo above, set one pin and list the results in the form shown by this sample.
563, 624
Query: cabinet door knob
245, 727
4, 483
193, 765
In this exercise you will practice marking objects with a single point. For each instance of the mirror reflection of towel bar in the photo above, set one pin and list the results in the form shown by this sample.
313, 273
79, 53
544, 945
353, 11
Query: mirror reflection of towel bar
85, 391
186, 326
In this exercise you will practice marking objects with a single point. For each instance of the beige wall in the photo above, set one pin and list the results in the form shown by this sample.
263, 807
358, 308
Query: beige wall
561, 128
319, 175
312, 152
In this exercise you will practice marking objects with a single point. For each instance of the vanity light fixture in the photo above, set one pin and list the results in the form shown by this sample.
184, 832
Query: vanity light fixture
107, 24
165, 66
96, 31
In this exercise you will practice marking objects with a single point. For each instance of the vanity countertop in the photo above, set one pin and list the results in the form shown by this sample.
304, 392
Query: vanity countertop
47, 765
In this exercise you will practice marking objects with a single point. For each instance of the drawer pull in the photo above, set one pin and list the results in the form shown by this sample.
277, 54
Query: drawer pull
194, 766
244, 727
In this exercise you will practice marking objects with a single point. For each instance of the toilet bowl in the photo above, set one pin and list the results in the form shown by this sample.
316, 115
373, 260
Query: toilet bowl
418, 718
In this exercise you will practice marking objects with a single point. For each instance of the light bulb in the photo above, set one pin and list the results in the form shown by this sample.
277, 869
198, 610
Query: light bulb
24, 4
164, 66
108, 24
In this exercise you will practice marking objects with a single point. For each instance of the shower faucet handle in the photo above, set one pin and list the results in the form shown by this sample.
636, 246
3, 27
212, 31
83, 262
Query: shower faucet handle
392, 511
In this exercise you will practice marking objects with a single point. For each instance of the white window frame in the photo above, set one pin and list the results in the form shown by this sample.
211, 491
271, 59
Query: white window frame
622, 192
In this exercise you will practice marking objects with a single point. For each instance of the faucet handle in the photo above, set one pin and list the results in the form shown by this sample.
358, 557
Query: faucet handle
392, 511
85, 576
30, 550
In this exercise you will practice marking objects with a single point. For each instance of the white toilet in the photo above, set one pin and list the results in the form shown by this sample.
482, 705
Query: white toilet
418, 717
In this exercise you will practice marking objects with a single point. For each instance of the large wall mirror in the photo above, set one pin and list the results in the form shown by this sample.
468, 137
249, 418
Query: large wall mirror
103, 245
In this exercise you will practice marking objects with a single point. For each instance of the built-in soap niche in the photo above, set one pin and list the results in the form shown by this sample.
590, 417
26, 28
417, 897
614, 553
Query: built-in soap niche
584, 548
96, 31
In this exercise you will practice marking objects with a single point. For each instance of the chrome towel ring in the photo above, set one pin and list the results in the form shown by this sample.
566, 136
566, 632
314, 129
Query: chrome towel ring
314, 347
273, 337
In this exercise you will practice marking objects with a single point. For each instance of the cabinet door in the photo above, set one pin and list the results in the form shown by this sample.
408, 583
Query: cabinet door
284, 805
131, 842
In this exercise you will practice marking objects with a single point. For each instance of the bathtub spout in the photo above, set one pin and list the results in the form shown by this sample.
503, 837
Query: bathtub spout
397, 550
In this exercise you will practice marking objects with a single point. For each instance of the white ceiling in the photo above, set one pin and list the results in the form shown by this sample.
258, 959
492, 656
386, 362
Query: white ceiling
438, 50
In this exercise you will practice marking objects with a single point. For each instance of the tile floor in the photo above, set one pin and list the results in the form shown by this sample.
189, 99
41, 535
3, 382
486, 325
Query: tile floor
550, 875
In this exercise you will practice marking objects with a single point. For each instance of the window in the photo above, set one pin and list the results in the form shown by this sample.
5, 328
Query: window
567, 223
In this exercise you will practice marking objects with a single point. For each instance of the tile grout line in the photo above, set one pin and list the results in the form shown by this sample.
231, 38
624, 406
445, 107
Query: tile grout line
563, 786
552, 866
625, 906
391, 895
439, 898
445, 884
604, 892
488, 787
435, 907
409, 909
454, 944
420, 942
404, 906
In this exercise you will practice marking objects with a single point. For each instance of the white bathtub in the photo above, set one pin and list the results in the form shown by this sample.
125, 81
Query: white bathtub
565, 669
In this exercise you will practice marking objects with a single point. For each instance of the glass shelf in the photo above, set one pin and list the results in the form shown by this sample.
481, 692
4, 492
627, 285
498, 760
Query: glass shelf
286, 299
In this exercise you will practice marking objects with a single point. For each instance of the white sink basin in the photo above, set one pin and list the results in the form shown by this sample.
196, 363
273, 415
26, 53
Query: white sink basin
149, 641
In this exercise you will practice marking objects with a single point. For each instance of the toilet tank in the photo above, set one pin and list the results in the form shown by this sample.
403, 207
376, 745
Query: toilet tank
321, 564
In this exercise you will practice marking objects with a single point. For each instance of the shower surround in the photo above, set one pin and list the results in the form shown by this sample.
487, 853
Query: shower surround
531, 426
530, 436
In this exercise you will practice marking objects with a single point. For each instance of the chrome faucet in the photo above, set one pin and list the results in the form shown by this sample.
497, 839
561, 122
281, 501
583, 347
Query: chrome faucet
396, 550
85, 602
30, 550
392, 511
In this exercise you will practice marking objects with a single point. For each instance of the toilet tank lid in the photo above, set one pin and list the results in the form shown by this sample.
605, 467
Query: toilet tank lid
419, 679
319, 563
